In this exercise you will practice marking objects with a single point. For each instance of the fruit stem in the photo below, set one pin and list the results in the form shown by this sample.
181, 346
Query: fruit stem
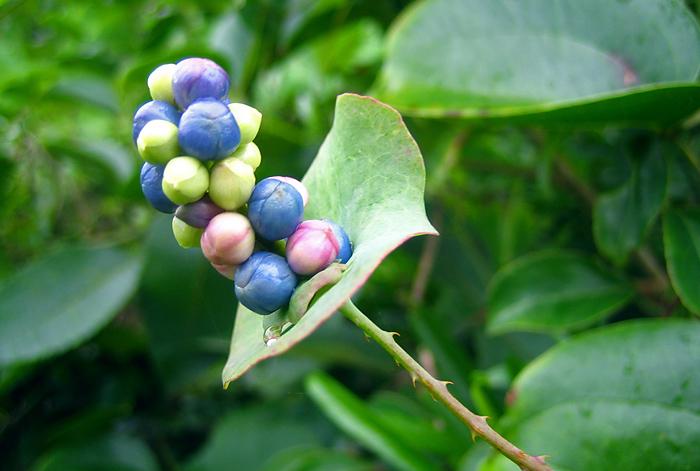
438, 389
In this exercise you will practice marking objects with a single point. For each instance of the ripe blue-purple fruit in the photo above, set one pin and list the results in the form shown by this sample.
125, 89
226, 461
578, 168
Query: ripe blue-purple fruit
264, 283
344, 244
151, 185
296, 184
199, 213
196, 78
154, 110
275, 209
208, 130
312, 247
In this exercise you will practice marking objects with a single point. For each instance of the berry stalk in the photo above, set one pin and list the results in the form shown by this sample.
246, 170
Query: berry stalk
438, 389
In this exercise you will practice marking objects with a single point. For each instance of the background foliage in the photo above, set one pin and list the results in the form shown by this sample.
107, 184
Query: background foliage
561, 297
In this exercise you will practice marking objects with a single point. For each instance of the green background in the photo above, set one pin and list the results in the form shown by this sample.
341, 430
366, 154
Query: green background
562, 156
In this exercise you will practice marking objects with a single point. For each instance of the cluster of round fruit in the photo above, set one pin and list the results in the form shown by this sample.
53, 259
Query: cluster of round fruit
200, 163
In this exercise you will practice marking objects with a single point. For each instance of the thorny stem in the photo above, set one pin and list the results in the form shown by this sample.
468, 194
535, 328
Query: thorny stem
476, 423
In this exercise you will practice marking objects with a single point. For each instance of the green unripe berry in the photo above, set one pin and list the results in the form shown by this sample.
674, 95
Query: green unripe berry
231, 183
248, 119
160, 83
157, 141
185, 180
187, 236
248, 154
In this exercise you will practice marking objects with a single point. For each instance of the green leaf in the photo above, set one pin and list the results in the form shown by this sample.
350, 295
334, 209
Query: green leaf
622, 217
608, 435
628, 360
552, 291
544, 60
350, 414
115, 452
368, 177
682, 247
623, 397
414, 424
316, 459
60, 300
250, 437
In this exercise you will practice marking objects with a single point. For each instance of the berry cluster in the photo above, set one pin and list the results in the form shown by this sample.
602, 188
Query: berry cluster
200, 162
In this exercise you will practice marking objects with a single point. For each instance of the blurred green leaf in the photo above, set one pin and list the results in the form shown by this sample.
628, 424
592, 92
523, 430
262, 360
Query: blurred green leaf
451, 361
622, 217
308, 79
94, 90
369, 178
115, 452
351, 415
552, 291
60, 300
415, 425
248, 439
232, 38
590, 401
315, 459
187, 308
474, 59
682, 248
629, 360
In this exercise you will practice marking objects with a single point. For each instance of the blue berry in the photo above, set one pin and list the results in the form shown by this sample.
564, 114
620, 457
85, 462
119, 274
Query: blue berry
199, 213
154, 110
275, 209
151, 184
264, 283
344, 244
196, 78
208, 130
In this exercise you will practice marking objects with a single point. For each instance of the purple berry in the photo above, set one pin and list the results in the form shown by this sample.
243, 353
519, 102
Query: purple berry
196, 78
199, 213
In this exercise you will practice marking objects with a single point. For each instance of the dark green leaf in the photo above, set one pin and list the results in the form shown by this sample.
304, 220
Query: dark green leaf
552, 291
369, 178
620, 436
583, 61
60, 300
247, 439
682, 247
350, 414
622, 217
315, 459
590, 401
116, 452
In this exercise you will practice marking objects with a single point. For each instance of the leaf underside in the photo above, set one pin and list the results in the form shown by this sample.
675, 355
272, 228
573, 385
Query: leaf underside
369, 177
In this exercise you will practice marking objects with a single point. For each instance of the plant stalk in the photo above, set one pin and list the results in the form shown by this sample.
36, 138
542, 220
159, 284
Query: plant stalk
438, 389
